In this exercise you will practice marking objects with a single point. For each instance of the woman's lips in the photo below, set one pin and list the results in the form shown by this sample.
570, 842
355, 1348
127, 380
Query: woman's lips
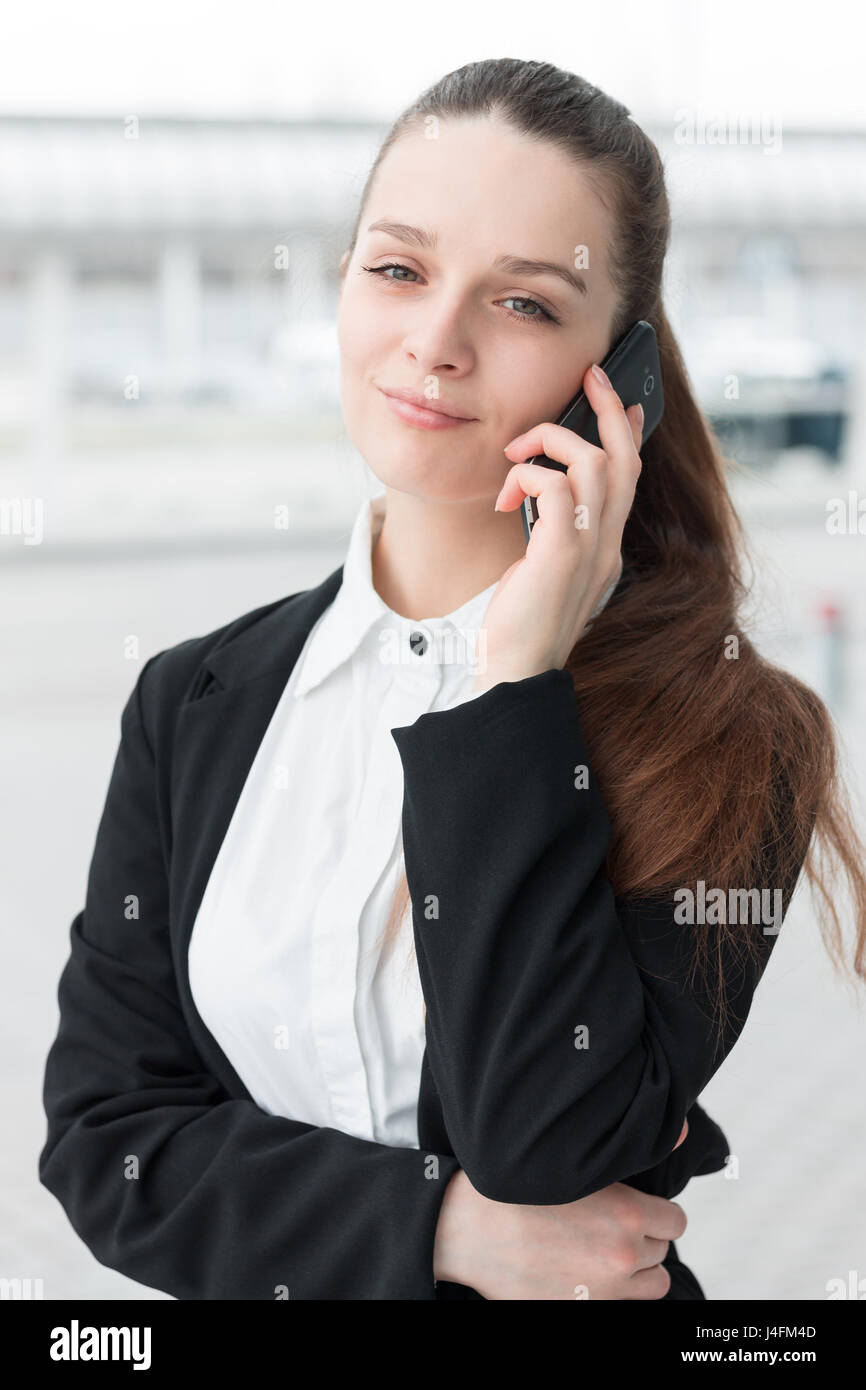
421, 418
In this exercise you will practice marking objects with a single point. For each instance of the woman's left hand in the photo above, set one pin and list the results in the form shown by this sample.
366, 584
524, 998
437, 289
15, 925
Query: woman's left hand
544, 600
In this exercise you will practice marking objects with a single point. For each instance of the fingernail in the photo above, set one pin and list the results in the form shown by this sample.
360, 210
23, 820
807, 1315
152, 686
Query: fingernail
498, 500
640, 416
600, 376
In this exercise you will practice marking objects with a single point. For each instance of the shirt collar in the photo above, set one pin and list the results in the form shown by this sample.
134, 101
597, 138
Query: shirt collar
357, 608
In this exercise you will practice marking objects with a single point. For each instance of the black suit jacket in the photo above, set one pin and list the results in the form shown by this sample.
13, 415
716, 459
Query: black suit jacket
173, 1175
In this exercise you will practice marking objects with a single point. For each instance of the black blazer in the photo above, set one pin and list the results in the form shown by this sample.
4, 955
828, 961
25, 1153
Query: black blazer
173, 1175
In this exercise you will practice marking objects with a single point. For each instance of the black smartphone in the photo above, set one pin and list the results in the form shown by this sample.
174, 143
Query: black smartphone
634, 370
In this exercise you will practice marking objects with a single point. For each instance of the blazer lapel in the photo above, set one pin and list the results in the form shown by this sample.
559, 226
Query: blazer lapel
220, 726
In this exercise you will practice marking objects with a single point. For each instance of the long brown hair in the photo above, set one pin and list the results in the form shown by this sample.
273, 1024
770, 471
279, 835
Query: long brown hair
714, 768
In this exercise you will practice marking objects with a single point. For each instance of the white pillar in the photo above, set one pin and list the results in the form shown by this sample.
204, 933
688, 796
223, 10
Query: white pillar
181, 313
308, 288
49, 288
854, 441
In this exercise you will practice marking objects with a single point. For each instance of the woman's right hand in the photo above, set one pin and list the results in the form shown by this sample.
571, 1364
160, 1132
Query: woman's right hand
608, 1245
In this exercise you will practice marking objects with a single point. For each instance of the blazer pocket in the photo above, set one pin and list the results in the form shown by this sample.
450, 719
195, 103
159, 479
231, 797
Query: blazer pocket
205, 683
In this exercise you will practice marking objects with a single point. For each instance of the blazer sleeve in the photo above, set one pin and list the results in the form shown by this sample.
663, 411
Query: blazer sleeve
564, 1044
164, 1175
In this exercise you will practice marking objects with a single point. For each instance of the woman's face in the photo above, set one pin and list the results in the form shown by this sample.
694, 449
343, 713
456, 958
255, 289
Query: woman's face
451, 324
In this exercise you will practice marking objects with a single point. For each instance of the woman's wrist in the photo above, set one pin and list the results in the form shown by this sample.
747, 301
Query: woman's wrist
451, 1245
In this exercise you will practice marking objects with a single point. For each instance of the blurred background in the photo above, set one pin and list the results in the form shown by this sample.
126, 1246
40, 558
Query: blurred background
176, 188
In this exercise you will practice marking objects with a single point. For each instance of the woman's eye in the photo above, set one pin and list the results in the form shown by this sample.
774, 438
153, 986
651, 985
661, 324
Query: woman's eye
541, 313
536, 312
380, 269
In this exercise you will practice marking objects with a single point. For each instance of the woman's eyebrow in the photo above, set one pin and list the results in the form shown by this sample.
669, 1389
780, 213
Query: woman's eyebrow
519, 265
516, 265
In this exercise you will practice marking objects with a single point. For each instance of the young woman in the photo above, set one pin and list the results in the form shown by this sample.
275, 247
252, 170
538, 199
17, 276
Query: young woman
425, 902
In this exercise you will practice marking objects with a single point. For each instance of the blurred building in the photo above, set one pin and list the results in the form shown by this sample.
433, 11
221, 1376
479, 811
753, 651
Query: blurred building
191, 267
187, 254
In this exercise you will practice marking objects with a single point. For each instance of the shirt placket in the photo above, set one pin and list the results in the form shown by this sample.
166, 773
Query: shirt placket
337, 965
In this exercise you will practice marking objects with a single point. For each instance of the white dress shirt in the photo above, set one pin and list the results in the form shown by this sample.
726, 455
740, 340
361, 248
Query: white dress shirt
284, 963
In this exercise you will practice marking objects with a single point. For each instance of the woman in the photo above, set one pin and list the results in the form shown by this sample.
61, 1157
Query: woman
271, 1078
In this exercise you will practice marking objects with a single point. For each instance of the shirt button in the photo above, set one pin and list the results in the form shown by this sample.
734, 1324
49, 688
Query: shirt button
419, 643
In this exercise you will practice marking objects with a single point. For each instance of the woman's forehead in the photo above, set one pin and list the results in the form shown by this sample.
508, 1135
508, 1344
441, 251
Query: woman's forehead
484, 186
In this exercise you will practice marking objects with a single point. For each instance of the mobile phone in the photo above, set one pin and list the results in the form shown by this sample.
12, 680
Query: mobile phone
635, 373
